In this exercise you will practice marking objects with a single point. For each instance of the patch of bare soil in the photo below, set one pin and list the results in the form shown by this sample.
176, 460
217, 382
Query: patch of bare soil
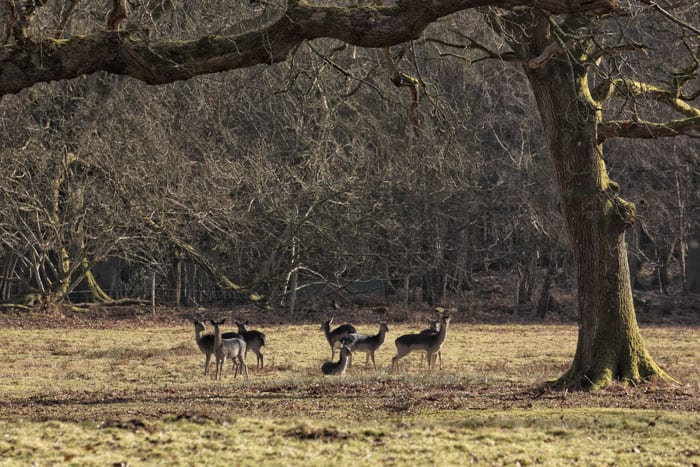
319, 400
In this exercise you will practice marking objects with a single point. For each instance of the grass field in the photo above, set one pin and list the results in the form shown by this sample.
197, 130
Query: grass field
132, 394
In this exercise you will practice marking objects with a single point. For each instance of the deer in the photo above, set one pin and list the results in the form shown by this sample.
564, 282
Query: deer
358, 342
228, 348
432, 330
254, 340
335, 335
339, 367
428, 343
205, 342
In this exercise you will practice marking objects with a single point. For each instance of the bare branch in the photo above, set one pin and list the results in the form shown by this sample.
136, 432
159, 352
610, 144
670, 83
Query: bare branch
649, 130
638, 89
673, 18
488, 53
117, 14
550, 51
66, 17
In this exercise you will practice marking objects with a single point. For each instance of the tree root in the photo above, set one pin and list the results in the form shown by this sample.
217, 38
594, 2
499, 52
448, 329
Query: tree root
608, 371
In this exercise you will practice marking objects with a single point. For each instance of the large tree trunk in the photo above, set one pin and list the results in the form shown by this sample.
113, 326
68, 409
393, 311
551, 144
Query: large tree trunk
610, 346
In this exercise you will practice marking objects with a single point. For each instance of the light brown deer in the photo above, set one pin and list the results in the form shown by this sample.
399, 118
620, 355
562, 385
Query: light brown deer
228, 348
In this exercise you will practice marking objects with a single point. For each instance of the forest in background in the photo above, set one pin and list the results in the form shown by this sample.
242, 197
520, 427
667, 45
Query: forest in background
315, 172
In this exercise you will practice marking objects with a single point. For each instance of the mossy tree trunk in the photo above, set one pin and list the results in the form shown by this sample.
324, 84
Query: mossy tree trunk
610, 346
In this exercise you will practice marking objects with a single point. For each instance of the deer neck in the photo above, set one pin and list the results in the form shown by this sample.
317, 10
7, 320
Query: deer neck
382, 335
443, 331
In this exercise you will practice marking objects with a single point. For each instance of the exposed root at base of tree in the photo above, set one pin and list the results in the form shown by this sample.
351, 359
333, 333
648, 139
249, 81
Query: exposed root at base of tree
604, 374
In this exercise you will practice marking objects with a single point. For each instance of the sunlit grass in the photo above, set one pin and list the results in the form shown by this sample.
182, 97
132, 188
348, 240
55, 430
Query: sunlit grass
549, 437
138, 395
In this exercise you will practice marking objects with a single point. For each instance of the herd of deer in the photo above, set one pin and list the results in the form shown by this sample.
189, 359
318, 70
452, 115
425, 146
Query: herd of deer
235, 345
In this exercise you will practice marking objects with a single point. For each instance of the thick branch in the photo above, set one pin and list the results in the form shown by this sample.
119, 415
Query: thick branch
23, 65
648, 130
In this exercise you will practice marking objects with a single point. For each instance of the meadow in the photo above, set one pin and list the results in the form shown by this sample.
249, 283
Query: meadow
133, 393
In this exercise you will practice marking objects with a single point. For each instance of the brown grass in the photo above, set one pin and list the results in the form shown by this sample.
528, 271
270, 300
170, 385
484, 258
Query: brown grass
132, 389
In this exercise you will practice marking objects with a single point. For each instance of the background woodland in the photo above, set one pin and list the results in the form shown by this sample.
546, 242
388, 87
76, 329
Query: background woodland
318, 175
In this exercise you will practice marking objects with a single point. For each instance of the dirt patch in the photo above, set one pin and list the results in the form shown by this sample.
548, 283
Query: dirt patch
323, 434
386, 397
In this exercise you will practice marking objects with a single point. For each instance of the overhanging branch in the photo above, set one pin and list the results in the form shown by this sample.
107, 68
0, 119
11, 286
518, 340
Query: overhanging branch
42, 60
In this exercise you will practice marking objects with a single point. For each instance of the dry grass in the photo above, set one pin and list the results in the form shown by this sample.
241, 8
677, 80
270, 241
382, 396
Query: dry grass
136, 394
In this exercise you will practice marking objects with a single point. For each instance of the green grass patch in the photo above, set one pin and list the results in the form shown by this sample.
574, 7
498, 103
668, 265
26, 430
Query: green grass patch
550, 437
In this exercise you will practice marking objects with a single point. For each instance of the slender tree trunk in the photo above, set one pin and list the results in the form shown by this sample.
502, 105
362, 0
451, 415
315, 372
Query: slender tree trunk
8, 271
153, 293
610, 346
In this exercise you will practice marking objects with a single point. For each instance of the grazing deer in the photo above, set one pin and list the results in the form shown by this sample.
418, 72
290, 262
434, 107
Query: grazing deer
368, 344
339, 367
205, 342
254, 340
334, 336
428, 343
228, 348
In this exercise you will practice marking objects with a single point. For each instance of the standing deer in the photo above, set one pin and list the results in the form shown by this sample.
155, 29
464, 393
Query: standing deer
336, 334
432, 330
205, 342
228, 348
254, 340
366, 343
428, 343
